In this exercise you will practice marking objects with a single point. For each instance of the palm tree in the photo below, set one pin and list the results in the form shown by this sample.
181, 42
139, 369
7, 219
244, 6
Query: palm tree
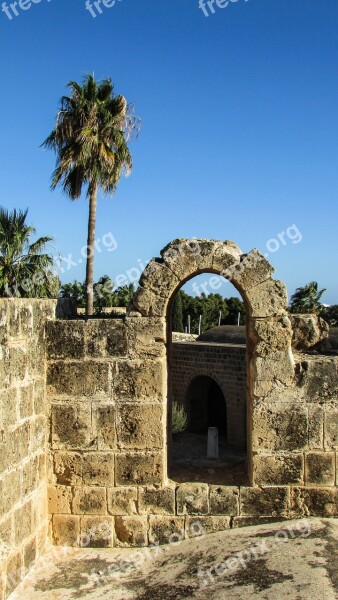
90, 139
307, 299
25, 268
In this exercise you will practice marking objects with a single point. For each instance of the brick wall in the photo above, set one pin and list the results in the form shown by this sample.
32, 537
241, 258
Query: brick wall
24, 415
226, 365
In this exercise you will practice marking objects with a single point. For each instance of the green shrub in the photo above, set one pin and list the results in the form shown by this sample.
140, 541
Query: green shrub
179, 418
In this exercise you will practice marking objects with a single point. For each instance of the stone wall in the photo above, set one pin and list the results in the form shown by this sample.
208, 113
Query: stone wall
226, 365
24, 416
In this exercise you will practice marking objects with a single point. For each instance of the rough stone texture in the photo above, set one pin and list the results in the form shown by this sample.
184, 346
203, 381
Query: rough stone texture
131, 531
192, 499
157, 501
224, 500
24, 411
308, 331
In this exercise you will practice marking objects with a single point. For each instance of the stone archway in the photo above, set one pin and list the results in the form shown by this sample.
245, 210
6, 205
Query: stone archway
270, 363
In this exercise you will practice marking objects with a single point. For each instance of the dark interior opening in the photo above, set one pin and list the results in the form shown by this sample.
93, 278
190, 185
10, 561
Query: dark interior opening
206, 406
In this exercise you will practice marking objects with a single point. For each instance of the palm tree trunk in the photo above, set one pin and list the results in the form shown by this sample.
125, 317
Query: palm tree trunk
90, 251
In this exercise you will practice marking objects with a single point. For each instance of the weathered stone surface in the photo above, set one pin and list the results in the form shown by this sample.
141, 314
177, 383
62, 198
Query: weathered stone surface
104, 427
29, 554
277, 469
308, 331
140, 426
66, 530
149, 304
139, 380
320, 468
89, 500
155, 501
316, 427
81, 378
59, 499
264, 502
198, 526
71, 426
192, 499
122, 501
331, 427
280, 427
316, 377
66, 339
131, 531
224, 500
309, 501
14, 572
252, 271
139, 469
96, 532
106, 338
68, 468
98, 469
271, 335
268, 299
146, 337
159, 279
6, 531
166, 530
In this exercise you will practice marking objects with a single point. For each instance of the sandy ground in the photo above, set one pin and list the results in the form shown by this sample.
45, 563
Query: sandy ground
294, 560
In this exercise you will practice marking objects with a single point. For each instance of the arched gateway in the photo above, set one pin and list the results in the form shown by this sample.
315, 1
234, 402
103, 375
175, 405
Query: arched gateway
269, 356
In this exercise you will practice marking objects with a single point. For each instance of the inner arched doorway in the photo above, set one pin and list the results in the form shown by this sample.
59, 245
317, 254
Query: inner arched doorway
206, 406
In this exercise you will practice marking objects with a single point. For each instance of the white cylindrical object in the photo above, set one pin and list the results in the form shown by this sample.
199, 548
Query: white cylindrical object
212, 442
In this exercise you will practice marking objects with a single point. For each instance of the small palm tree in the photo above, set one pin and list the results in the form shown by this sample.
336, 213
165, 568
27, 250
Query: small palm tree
90, 139
25, 268
307, 299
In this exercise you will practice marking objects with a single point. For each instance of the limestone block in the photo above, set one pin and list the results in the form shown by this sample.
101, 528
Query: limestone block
314, 502
166, 530
71, 426
146, 337
7, 530
18, 360
68, 468
104, 427
316, 377
29, 554
252, 271
159, 279
105, 338
189, 257
25, 401
271, 335
277, 469
139, 469
149, 304
66, 530
41, 404
9, 407
98, 468
308, 330
192, 499
320, 468
26, 321
316, 427
38, 433
225, 257
10, 488
140, 426
139, 380
196, 527
268, 299
224, 500
157, 501
23, 524
65, 339
96, 532
131, 531
122, 501
250, 521
331, 427
89, 500
82, 378
265, 502
14, 572
280, 427
59, 499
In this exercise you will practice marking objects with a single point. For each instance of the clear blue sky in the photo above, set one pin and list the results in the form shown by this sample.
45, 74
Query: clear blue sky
240, 126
